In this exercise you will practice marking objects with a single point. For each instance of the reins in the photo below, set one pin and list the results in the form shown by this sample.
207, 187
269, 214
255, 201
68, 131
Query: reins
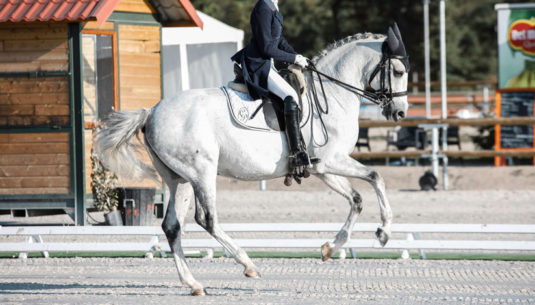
382, 97
362, 93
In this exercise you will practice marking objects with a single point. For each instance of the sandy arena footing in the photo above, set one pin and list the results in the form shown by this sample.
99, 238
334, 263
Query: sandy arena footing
284, 281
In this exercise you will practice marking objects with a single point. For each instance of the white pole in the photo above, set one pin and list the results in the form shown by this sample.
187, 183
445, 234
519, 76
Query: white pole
443, 88
184, 69
445, 182
434, 151
443, 58
486, 99
427, 64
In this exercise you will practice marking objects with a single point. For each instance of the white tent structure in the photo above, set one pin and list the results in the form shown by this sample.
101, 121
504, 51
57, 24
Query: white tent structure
195, 58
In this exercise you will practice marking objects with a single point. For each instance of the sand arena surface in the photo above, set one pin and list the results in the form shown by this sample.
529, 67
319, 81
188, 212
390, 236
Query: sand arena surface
476, 195
406, 178
284, 281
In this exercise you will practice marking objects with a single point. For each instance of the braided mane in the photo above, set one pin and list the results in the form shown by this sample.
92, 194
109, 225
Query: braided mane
344, 41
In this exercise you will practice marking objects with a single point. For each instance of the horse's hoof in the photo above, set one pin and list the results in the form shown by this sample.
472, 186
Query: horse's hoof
288, 180
198, 292
252, 274
326, 252
382, 236
306, 173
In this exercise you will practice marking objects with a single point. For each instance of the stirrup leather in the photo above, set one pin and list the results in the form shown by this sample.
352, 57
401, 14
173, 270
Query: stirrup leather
301, 158
299, 163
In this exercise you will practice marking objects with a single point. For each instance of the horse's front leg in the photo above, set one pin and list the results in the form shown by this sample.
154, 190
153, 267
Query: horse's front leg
346, 166
342, 186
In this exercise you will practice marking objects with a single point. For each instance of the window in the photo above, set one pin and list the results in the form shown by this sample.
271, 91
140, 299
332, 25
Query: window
99, 75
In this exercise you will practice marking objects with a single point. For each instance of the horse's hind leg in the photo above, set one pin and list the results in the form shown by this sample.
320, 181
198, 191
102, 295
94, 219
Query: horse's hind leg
206, 217
344, 165
180, 197
342, 186
181, 194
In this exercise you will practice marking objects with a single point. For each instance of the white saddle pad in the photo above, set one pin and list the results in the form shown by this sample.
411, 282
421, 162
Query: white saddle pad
242, 107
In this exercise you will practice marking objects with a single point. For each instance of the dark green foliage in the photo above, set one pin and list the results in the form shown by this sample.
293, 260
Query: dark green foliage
312, 24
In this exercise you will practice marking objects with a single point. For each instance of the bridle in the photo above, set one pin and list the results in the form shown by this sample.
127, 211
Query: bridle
383, 96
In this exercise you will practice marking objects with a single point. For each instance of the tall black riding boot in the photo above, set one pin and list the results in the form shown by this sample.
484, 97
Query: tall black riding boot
298, 154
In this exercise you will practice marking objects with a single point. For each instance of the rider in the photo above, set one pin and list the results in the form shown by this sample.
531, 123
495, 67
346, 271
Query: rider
267, 44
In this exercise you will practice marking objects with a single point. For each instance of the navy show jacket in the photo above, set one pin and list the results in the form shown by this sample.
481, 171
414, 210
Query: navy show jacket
266, 43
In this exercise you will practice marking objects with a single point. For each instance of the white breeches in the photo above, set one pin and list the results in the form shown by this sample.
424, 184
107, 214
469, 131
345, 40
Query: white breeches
279, 86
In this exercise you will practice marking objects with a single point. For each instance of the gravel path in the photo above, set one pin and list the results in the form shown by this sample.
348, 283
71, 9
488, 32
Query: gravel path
284, 281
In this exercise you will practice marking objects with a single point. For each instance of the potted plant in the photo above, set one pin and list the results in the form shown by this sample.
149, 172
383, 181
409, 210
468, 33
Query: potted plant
104, 187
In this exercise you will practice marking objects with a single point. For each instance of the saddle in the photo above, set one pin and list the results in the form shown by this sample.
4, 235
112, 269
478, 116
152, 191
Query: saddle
293, 75
272, 105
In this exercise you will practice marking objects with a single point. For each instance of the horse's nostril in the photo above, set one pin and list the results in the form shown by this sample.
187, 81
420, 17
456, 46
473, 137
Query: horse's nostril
401, 114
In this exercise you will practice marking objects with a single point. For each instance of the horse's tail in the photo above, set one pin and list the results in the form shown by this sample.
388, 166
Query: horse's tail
114, 147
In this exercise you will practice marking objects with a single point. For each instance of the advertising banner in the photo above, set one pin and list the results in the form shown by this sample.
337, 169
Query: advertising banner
516, 46
515, 96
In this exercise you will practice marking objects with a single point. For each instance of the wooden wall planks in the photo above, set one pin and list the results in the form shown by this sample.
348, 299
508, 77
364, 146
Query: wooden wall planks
34, 101
34, 163
29, 47
140, 55
136, 6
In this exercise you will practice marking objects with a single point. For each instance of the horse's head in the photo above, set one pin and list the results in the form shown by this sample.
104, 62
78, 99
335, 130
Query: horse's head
390, 77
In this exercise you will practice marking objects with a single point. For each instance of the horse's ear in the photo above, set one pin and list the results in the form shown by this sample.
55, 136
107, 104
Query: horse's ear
398, 35
396, 31
396, 45
392, 40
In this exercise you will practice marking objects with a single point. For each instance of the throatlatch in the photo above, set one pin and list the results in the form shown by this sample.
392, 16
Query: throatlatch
298, 160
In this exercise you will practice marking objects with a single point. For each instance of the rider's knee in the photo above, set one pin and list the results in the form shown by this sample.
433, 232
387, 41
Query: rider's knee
293, 95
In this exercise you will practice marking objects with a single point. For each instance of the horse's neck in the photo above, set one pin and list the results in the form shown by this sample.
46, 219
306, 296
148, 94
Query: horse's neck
351, 64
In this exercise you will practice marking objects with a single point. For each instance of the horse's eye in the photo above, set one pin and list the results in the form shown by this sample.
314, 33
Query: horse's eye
398, 74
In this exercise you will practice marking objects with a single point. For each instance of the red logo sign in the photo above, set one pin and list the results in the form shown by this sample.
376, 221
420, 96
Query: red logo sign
522, 36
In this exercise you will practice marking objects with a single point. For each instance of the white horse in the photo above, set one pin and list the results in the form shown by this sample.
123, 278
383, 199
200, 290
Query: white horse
191, 139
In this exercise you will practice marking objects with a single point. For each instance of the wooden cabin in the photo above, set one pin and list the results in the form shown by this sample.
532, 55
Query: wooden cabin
65, 65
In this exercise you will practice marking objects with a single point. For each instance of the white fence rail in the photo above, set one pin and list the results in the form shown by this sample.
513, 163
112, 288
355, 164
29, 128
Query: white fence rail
35, 242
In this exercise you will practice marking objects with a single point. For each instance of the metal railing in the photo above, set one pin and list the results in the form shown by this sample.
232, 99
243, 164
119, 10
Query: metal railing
36, 243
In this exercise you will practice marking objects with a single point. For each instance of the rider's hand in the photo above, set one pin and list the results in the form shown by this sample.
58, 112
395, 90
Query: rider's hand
301, 61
